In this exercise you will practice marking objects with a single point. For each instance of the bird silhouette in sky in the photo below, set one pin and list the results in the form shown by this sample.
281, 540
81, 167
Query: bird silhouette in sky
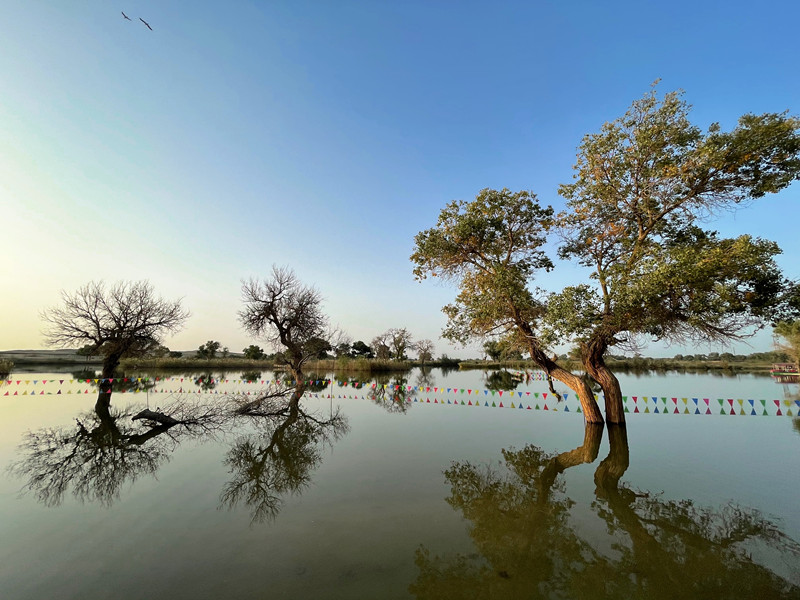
146, 23
126, 16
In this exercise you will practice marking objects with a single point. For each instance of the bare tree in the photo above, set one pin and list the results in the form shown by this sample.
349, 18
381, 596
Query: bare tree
400, 340
126, 319
284, 312
380, 345
424, 350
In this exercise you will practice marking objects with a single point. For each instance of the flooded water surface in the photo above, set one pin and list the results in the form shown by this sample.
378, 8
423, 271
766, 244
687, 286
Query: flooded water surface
421, 485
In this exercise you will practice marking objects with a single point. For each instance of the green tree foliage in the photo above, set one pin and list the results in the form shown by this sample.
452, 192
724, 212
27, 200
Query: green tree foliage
361, 349
642, 185
208, 350
504, 348
491, 248
343, 349
87, 351
492, 349
790, 332
254, 352
121, 321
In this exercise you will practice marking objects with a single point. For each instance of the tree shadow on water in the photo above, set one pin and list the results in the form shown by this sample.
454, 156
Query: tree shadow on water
520, 521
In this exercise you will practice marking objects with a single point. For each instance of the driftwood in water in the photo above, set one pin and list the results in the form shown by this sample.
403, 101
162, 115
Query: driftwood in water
158, 417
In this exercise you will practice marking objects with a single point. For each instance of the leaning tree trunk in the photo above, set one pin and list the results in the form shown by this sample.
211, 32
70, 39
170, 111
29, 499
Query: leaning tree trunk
585, 453
591, 412
595, 365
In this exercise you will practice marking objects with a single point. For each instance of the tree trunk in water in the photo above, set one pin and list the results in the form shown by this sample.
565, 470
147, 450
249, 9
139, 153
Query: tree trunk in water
585, 453
613, 466
595, 365
591, 411
103, 404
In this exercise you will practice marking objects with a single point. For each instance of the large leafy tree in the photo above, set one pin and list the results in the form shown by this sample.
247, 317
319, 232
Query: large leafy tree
790, 332
491, 248
123, 320
642, 187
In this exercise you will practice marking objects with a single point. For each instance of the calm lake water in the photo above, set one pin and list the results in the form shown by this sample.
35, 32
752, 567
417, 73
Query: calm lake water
415, 488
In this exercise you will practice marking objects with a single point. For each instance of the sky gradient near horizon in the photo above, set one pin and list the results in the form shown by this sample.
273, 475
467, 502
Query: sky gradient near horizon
325, 135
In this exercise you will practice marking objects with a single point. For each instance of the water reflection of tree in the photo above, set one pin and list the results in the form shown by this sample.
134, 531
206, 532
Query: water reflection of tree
529, 548
392, 393
120, 383
502, 380
279, 458
108, 448
105, 449
425, 377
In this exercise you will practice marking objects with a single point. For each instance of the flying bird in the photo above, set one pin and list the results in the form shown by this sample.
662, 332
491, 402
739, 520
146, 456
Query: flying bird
126, 16
146, 23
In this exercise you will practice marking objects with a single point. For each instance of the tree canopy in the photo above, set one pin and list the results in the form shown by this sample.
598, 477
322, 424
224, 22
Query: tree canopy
124, 320
491, 248
286, 313
643, 185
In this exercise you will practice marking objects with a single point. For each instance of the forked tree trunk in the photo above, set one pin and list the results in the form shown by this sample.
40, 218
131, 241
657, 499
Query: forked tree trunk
595, 365
585, 453
591, 411
613, 467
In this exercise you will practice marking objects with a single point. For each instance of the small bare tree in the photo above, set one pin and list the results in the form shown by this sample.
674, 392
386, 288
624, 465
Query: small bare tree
126, 319
400, 340
284, 312
380, 346
424, 350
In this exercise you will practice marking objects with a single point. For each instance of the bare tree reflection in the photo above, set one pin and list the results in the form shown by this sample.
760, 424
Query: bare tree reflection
529, 547
106, 449
279, 458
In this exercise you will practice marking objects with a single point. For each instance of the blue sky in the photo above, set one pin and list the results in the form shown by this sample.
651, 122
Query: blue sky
325, 135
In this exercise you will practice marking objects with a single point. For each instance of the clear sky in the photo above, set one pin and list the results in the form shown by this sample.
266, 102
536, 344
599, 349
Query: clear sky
325, 135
